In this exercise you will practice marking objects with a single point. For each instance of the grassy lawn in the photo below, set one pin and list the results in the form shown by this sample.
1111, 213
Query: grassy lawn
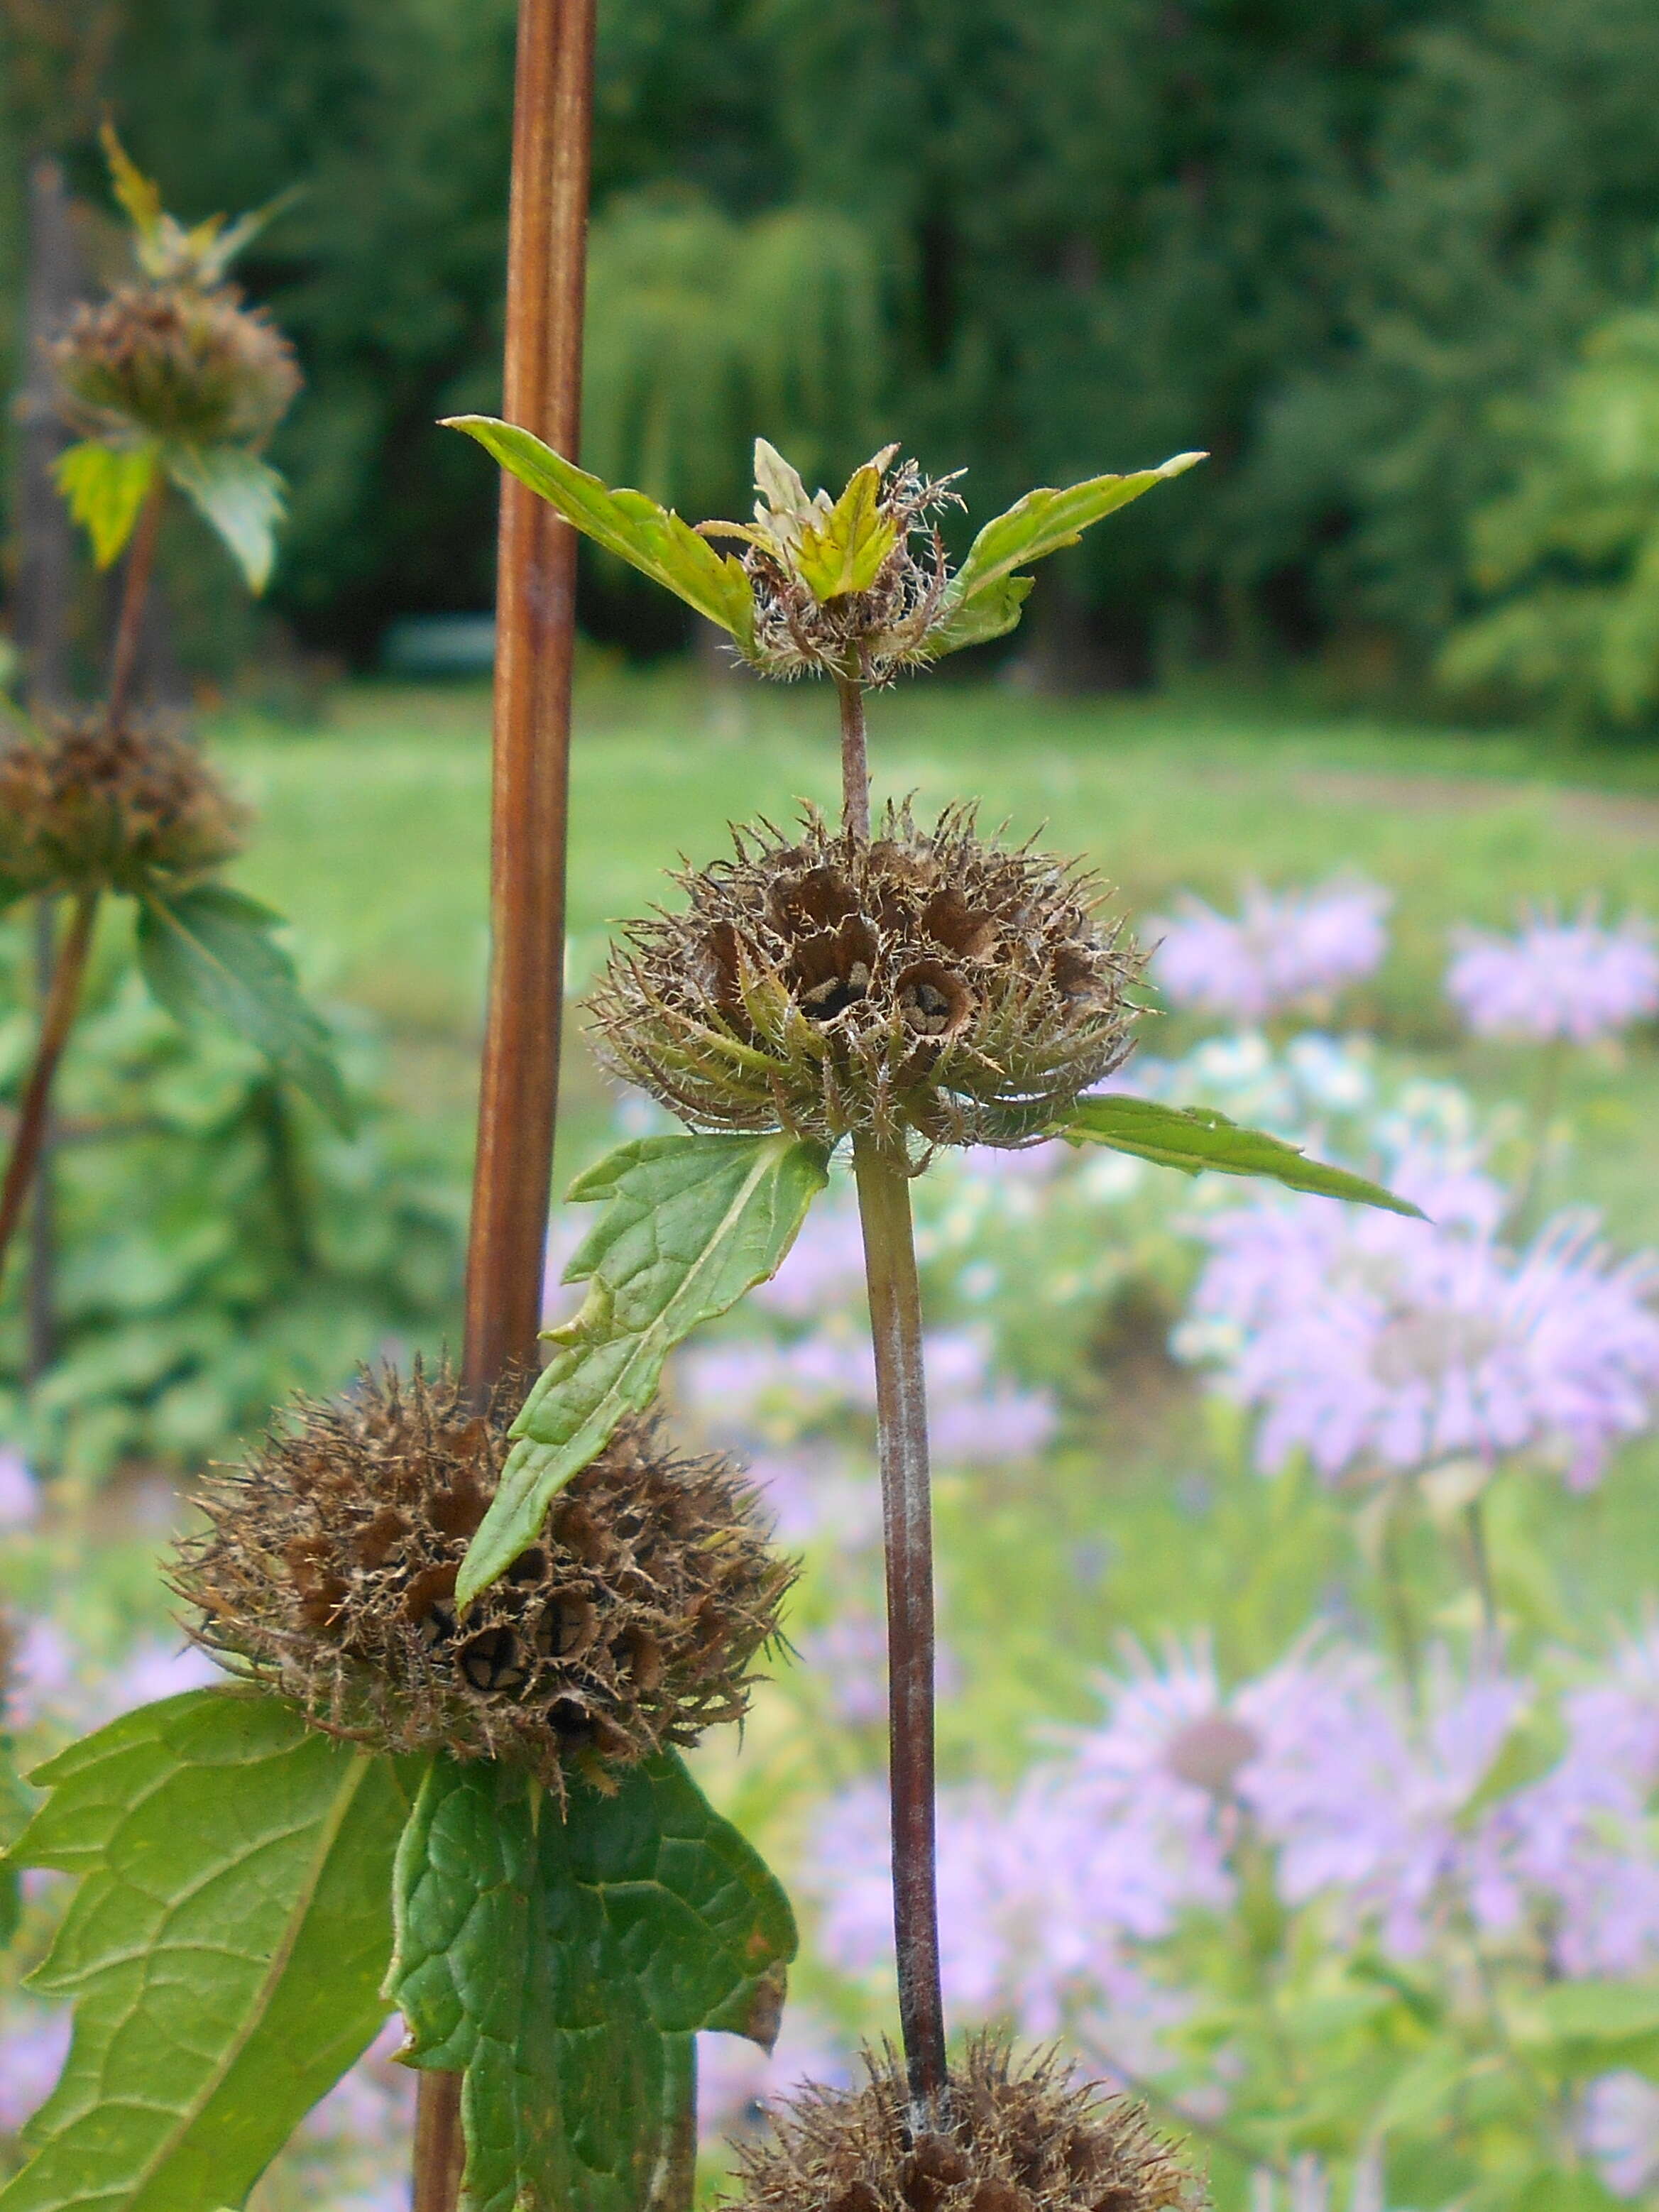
374, 837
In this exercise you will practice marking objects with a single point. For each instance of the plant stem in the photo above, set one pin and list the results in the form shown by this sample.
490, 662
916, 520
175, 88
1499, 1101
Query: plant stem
890, 1260
1546, 1099
135, 590
1480, 1565
854, 760
536, 589
57, 1018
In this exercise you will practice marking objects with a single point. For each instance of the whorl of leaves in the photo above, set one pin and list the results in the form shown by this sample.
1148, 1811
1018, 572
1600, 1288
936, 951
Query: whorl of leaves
329, 1570
1028, 2139
173, 362
85, 806
932, 982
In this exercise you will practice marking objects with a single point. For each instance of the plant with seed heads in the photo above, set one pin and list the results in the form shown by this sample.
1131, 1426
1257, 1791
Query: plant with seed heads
177, 382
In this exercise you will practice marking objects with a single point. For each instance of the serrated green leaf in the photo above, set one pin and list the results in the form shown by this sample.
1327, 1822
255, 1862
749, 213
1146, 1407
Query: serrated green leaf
843, 551
1042, 523
651, 539
565, 1962
17, 1809
225, 1949
992, 613
691, 1224
239, 495
105, 487
209, 949
1197, 1141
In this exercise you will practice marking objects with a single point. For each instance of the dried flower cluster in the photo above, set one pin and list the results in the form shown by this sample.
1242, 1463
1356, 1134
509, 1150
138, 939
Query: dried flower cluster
178, 363
932, 981
330, 1572
1031, 2139
87, 807
801, 623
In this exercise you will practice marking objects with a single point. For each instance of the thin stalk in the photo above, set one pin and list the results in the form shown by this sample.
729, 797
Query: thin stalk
1474, 1524
135, 590
1545, 1099
535, 607
854, 760
890, 1260
39, 1303
56, 1018
1402, 1619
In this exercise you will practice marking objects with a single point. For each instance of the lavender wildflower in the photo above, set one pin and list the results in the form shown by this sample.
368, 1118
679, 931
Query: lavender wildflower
19, 1494
33, 2048
1620, 2131
1572, 980
1378, 1345
1288, 952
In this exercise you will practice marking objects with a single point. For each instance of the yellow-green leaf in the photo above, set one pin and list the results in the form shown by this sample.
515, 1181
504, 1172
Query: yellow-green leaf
1196, 1139
844, 552
105, 487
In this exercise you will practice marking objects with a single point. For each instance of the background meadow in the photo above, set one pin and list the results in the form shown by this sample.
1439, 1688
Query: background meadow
1300, 1726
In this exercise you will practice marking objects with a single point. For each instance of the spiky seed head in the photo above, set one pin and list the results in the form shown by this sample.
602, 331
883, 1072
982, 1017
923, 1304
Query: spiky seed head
84, 806
1025, 2138
328, 1570
802, 623
175, 362
932, 983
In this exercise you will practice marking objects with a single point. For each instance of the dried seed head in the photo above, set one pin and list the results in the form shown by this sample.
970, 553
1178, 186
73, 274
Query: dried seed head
172, 361
802, 550
86, 807
1027, 2139
329, 1571
933, 981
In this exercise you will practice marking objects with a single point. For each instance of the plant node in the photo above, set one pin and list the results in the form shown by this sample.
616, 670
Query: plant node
173, 362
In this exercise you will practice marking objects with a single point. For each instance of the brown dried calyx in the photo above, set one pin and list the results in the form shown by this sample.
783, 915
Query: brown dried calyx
932, 982
85, 806
1026, 2139
329, 1571
175, 362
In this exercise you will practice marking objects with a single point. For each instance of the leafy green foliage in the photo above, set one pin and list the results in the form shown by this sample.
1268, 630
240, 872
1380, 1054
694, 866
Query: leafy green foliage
691, 1224
844, 552
649, 538
211, 950
564, 1959
219, 1242
239, 495
104, 487
17, 1805
225, 1949
1198, 1138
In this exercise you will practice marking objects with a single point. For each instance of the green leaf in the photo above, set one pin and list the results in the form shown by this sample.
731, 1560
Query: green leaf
691, 1224
225, 1949
209, 949
1197, 1139
1042, 523
649, 538
1599, 2012
17, 1809
565, 1962
239, 495
1532, 1747
138, 194
105, 487
843, 551
990, 613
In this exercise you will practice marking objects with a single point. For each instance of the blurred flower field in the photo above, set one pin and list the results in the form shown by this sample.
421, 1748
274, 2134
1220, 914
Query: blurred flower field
1299, 1613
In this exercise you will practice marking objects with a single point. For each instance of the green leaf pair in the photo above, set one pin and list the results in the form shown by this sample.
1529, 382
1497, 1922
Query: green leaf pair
691, 1224
236, 493
211, 950
565, 1964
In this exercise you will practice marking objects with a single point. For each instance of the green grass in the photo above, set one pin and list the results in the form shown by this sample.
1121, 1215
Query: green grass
374, 837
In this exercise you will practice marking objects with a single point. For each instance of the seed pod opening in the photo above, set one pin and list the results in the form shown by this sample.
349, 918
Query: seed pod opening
329, 1571
934, 982
1028, 2138
88, 807
172, 362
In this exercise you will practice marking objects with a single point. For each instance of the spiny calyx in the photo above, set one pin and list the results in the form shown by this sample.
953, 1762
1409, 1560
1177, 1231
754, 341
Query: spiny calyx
329, 1570
1031, 2138
932, 982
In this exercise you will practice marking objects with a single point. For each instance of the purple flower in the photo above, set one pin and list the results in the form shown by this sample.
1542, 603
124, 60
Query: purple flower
813, 1492
1366, 1802
19, 1494
974, 1421
824, 1267
1374, 1343
1571, 980
1292, 951
1620, 2131
846, 1659
34, 2044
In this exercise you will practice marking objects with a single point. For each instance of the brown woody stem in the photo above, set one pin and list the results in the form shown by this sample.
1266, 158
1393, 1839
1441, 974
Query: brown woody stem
536, 587
135, 590
889, 1259
56, 1018
854, 760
